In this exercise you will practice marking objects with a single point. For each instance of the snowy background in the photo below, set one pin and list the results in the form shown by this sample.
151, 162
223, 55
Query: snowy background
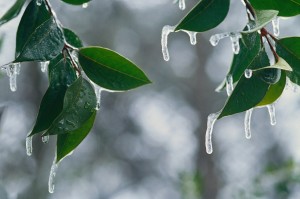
149, 143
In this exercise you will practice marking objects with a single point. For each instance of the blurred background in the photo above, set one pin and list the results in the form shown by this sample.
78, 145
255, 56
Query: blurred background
149, 143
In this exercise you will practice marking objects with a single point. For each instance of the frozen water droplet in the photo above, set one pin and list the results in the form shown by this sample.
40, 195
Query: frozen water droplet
44, 66
45, 139
235, 37
164, 41
276, 28
12, 70
211, 119
193, 37
248, 73
229, 84
52, 175
181, 4
39, 2
271, 110
85, 5
29, 145
98, 91
214, 40
247, 123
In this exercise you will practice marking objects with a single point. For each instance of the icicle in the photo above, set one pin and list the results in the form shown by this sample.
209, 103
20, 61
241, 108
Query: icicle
247, 123
248, 73
214, 40
276, 29
211, 119
193, 36
235, 37
271, 109
39, 2
45, 139
164, 41
29, 145
229, 84
12, 70
52, 175
181, 4
85, 5
98, 91
44, 66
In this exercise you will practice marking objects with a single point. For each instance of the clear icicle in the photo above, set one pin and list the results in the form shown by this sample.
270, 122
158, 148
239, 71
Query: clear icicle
181, 4
98, 91
214, 40
39, 2
271, 109
52, 175
164, 40
44, 66
248, 73
85, 5
45, 139
247, 123
276, 28
211, 119
229, 84
193, 36
29, 145
12, 70
235, 37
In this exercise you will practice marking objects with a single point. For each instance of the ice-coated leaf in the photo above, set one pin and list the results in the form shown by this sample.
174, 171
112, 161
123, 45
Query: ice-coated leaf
12, 12
76, 2
110, 70
79, 105
274, 91
263, 17
280, 64
61, 75
72, 38
286, 8
66, 143
207, 14
289, 49
38, 36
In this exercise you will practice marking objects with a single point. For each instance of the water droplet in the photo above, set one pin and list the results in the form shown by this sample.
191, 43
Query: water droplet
29, 148
181, 4
211, 119
164, 41
247, 123
85, 5
248, 73
235, 37
229, 84
39, 2
214, 40
276, 28
193, 37
44, 66
45, 139
52, 175
271, 110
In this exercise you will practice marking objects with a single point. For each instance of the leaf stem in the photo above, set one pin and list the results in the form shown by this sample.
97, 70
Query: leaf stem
74, 64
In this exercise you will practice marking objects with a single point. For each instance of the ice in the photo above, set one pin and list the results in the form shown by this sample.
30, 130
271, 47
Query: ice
247, 123
229, 84
29, 145
211, 119
271, 109
45, 139
44, 66
276, 28
164, 41
85, 5
52, 175
98, 92
12, 70
193, 37
235, 37
248, 73
181, 4
214, 40
39, 2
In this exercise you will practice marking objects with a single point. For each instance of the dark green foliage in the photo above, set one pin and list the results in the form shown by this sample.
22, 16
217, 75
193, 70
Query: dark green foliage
12, 12
72, 38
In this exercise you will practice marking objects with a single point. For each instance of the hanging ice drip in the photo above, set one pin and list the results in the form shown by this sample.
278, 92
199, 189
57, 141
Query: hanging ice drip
234, 37
12, 70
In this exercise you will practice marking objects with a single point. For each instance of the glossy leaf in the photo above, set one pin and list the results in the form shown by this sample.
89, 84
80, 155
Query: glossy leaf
12, 12
66, 143
286, 8
72, 38
274, 91
281, 64
61, 75
207, 14
289, 49
38, 37
110, 70
76, 2
79, 105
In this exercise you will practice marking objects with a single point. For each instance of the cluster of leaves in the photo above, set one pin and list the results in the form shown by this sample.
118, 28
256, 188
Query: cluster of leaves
268, 81
68, 108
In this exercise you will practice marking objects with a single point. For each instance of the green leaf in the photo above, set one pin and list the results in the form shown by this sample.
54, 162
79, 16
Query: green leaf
250, 47
61, 75
13, 12
110, 70
66, 143
207, 14
263, 17
76, 2
286, 8
79, 105
38, 37
270, 75
248, 92
274, 91
72, 38
289, 49
281, 64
